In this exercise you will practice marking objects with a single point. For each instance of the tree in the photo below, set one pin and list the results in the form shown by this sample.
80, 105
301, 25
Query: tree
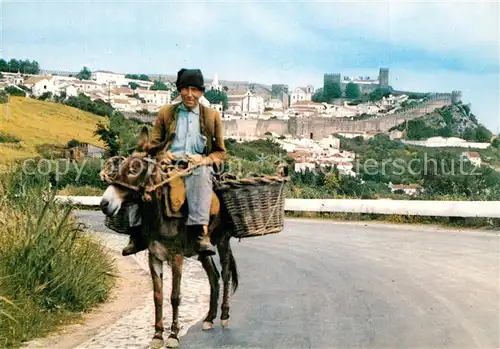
158, 85
483, 134
378, 93
4, 98
109, 137
84, 74
133, 85
352, 90
215, 97
496, 142
73, 143
318, 96
331, 90
478, 134
4, 66
14, 66
143, 77
15, 91
174, 94
22, 66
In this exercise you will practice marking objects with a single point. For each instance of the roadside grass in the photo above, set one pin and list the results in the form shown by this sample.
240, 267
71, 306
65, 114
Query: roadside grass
50, 273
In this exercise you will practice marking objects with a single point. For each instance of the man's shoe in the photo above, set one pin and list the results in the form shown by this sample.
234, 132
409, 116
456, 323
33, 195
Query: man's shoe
134, 243
206, 246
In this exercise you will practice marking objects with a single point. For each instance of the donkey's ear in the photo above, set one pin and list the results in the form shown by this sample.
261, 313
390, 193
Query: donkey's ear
143, 136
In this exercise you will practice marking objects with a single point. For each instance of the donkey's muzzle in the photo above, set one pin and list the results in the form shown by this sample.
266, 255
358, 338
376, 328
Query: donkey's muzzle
104, 205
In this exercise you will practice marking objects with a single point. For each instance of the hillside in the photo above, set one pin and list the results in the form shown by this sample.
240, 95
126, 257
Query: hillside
32, 124
449, 121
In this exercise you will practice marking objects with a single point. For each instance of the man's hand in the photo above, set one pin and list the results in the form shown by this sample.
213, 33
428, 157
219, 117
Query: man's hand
169, 155
201, 160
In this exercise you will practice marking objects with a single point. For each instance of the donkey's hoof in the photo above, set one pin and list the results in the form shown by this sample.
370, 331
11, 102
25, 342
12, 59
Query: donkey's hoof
224, 323
157, 343
207, 325
172, 342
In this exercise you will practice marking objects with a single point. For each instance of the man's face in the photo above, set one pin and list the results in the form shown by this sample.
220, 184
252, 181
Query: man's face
190, 96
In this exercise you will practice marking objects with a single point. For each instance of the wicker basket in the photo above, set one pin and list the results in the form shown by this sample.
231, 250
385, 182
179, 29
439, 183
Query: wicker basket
120, 222
255, 205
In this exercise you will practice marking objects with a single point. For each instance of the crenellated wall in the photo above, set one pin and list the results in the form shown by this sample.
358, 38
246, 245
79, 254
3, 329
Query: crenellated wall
321, 127
318, 127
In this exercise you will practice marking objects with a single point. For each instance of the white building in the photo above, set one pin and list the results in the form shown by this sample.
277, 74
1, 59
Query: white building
87, 86
155, 97
109, 78
245, 103
69, 90
122, 92
344, 168
435, 142
274, 104
141, 83
129, 104
473, 157
301, 94
219, 107
409, 189
329, 142
40, 84
13, 78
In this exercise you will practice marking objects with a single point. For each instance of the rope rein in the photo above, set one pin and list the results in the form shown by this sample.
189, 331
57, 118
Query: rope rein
164, 168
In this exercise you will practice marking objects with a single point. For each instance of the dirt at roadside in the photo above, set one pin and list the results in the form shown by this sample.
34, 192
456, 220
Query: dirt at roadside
132, 282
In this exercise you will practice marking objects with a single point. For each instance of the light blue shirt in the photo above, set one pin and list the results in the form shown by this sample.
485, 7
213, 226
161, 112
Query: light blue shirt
188, 138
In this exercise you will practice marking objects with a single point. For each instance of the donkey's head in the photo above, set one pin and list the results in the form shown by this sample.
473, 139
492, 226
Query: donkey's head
128, 177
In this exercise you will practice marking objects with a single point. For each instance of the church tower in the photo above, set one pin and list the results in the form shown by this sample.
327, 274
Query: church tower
215, 84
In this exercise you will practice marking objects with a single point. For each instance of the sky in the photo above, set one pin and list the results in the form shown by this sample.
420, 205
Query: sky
429, 46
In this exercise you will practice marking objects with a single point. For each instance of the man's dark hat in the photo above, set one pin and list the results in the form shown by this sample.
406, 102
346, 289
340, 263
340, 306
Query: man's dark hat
190, 77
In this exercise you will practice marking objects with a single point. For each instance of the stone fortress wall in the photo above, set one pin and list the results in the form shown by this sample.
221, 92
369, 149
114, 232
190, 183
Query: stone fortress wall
319, 127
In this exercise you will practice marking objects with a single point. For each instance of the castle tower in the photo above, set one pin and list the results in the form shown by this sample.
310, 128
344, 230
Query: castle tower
383, 79
456, 96
329, 78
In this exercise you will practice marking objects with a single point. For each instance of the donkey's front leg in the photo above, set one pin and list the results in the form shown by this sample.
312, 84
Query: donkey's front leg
156, 270
175, 300
213, 277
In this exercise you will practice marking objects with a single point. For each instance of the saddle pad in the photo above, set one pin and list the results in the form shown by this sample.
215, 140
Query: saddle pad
175, 195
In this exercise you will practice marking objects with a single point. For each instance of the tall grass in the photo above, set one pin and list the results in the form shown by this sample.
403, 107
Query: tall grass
49, 271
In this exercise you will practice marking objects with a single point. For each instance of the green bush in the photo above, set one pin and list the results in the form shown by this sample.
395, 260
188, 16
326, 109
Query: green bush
4, 98
14, 91
8, 138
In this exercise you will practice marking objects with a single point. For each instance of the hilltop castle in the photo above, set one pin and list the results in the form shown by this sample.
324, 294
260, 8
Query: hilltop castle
366, 84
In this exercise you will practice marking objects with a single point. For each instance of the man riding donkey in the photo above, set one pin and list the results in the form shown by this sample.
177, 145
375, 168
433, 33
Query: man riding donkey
193, 130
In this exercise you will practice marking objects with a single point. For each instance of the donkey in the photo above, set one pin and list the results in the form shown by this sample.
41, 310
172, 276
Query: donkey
168, 239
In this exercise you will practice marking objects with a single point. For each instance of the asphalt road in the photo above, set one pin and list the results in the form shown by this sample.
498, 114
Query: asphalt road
321, 284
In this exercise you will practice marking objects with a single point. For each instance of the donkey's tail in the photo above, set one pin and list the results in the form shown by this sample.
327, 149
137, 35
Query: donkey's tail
234, 270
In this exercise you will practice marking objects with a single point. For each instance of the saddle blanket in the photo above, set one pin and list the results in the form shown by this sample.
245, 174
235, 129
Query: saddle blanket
175, 195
